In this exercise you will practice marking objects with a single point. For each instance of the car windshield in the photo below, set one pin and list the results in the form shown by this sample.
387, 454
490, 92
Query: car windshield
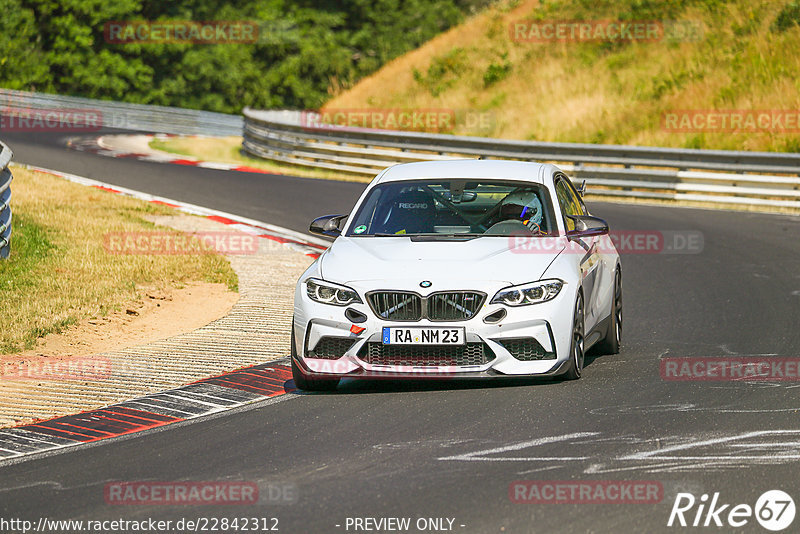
455, 208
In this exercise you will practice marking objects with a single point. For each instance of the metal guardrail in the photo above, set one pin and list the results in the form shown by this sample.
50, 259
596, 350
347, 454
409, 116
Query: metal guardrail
5, 201
138, 117
716, 176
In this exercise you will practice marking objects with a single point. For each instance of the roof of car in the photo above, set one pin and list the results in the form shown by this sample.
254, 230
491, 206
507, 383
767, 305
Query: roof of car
466, 168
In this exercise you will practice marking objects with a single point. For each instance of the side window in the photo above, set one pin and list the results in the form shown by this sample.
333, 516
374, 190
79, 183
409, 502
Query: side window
568, 202
576, 198
367, 214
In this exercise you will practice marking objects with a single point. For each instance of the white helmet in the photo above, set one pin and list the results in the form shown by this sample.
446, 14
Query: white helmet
523, 206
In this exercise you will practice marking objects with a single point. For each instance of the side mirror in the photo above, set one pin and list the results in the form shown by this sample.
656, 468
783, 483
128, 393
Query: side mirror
329, 225
587, 226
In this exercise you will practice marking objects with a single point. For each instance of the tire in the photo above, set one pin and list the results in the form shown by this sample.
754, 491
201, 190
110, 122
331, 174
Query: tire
306, 383
610, 344
576, 348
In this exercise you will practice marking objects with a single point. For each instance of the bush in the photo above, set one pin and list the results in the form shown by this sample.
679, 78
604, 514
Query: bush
442, 72
496, 72
306, 50
787, 18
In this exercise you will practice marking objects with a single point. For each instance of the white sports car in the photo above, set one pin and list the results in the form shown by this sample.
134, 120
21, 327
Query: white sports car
469, 268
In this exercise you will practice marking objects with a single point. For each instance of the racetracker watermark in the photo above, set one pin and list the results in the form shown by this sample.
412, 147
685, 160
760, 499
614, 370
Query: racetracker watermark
730, 368
70, 368
428, 368
731, 121
586, 492
17, 119
170, 243
418, 120
621, 241
182, 493
578, 31
181, 32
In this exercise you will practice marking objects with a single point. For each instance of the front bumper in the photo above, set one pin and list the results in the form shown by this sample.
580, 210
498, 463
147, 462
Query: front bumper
323, 326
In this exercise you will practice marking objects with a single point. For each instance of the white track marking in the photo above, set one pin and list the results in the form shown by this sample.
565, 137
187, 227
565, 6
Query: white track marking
597, 469
540, 469
726, 454
660, 453
479, 455
767, 445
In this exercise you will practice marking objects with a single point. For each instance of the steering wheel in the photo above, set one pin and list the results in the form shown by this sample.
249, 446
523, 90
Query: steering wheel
513, 227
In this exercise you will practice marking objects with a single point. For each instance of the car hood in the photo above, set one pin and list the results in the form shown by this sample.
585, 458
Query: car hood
381, 259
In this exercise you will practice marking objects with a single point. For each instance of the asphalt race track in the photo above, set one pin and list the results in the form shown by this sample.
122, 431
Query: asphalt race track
452, 450
282, 200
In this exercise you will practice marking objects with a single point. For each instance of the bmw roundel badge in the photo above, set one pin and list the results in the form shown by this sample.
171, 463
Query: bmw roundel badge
425, 283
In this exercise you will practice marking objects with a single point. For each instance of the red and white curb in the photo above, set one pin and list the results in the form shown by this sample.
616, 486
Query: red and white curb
305, 244
136, 146
205, 397
211, 395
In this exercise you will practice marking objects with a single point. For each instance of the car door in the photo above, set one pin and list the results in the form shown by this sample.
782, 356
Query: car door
587, 248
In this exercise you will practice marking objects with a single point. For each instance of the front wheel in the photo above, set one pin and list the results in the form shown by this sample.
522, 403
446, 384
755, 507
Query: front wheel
306, 383
576, 354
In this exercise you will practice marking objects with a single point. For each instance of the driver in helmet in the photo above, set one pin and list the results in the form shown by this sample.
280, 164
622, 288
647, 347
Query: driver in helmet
524, 207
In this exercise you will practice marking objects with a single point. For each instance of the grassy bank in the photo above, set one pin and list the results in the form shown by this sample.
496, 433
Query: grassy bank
59, 271
744, 56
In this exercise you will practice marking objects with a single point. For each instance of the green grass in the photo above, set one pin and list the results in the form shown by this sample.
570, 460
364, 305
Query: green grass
31, 249
31, 253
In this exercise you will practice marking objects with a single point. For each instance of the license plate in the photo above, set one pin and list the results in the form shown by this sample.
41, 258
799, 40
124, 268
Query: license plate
423, 336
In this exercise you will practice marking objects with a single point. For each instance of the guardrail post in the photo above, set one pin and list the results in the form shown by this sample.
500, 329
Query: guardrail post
5, 201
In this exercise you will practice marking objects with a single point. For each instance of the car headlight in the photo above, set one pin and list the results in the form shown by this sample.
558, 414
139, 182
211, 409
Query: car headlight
531, 293
328, 293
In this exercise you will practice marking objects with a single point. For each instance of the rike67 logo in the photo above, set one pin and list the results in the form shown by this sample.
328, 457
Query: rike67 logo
774, 510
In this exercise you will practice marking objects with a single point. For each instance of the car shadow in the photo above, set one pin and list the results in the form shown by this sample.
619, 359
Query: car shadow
361, 386
367, 385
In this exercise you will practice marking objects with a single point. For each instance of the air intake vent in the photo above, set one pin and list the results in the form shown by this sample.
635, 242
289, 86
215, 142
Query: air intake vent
455, 306
526, 349
396, 306
444, 306
477, 353
331, 348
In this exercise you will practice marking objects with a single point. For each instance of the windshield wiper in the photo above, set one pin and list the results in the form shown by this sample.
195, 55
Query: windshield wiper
433, 236
449, 237
458, 234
